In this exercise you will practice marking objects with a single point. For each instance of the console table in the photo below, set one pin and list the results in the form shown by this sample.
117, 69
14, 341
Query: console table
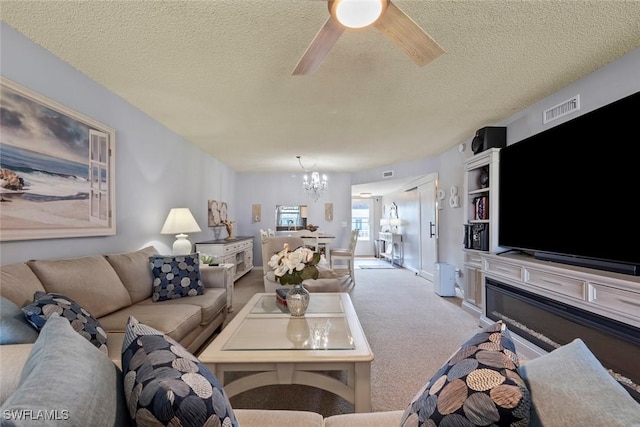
238, 252
391, 247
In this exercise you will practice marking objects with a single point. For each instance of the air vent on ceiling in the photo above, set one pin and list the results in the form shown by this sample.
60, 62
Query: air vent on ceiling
562, 109
387, 174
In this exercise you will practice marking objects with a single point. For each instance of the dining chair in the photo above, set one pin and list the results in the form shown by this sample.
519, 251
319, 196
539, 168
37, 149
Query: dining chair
347, 254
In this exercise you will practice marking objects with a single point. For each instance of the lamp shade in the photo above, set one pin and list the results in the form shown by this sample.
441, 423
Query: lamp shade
180, 220
395, 222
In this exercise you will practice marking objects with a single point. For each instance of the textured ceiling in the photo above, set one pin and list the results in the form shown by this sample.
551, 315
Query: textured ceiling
218, 72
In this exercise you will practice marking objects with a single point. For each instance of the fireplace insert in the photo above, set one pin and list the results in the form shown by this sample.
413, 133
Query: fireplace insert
550, 324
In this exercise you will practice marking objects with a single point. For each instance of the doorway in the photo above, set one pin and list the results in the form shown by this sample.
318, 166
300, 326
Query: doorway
362, 219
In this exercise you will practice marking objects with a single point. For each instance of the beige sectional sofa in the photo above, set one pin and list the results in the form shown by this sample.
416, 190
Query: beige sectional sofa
113, 287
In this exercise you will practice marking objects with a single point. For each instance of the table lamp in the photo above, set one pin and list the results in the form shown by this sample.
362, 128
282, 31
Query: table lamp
394, 223
178, 222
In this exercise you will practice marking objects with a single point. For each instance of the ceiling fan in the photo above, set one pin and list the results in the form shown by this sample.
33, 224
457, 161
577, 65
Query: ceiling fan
392, 22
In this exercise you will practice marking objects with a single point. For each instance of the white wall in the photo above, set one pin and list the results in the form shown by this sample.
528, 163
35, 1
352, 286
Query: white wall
155, 169
271, 189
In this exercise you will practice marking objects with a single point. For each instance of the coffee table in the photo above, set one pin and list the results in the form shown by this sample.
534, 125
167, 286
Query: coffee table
280, 349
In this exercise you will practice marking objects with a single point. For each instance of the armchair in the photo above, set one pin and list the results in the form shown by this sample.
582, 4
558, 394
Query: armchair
328, 281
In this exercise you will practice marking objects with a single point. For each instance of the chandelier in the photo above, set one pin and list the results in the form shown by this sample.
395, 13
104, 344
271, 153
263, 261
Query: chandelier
314, 186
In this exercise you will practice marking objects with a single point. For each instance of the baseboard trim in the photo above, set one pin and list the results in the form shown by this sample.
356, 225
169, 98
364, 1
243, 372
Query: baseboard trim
471, 309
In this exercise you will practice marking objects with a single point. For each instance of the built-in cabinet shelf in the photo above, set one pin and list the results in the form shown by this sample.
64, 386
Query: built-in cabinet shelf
480, 201
238, 252
391, 247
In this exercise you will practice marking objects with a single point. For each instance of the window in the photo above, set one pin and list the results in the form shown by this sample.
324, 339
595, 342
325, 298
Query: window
291, 217
361, 220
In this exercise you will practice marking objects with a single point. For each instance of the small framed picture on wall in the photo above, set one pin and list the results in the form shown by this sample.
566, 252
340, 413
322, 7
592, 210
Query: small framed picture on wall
328, 211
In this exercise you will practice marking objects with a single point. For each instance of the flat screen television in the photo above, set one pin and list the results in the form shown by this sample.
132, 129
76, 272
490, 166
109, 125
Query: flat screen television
570, 194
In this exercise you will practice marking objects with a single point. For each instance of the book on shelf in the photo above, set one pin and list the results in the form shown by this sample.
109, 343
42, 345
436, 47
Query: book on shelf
481, 207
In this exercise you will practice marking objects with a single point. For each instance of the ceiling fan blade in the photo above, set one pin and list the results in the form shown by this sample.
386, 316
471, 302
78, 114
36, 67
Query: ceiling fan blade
395, 25
319, 48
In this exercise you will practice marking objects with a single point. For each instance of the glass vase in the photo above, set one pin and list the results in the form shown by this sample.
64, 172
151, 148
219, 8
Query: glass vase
298, 300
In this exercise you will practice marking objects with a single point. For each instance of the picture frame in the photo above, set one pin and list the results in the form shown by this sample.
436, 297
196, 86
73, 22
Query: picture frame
216, 213
256, 213
328, 211
57, 169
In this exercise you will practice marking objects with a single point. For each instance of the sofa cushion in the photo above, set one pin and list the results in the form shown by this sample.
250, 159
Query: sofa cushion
45, 304
14, 327
279, 418
90, 281
211, 302
570, 387
66, 374
478, 385
164, 384
134, 271
175, 320
19, 283
384, 418
114, 344
12, 360
175, 276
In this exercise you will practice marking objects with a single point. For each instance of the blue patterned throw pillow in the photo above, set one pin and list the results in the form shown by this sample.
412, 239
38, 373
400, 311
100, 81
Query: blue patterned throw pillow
166, 385
479, 385
175, 276
45, 304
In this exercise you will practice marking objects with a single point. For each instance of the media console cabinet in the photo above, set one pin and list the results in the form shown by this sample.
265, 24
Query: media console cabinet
592, 296
238, 252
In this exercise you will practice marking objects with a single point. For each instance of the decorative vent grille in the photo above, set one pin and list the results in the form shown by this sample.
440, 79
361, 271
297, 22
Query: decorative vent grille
387, 174
562, 109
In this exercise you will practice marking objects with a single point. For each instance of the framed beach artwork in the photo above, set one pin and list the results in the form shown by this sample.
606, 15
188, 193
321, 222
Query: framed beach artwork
57, 169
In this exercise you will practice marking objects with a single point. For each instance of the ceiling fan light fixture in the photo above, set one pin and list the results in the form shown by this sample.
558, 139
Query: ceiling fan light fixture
357, 13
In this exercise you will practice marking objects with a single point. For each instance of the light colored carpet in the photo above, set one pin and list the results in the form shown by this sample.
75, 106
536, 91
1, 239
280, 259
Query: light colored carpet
411, 330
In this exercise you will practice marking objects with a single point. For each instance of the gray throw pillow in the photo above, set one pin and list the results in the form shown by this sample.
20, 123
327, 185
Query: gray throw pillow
15, 328
570, 387
66, 381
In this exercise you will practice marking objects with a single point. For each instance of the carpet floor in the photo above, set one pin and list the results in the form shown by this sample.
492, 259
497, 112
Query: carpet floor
411, 330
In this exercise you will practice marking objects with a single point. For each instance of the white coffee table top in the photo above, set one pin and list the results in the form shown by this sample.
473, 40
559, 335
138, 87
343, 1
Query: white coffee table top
261, 331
